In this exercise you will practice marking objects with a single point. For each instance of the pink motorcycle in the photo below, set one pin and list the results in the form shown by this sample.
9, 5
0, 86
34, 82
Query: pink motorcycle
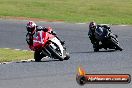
47, 44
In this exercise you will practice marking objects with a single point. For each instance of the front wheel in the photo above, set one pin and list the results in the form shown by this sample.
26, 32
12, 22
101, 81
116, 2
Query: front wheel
116, 44
55, 53
118, 48
67, 56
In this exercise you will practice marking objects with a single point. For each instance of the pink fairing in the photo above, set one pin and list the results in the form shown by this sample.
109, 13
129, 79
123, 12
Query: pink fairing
40, 39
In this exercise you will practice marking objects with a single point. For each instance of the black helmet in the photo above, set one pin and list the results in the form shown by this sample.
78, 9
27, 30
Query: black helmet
92, 25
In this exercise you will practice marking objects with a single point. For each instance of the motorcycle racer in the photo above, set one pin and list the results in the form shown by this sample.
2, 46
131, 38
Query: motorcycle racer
91, 33
35, 35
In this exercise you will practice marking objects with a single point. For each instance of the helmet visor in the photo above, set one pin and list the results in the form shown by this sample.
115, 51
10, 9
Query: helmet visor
30, 29
93, 27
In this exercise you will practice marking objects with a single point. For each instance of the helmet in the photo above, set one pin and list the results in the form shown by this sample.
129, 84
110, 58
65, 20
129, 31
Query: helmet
31, 27
92, 25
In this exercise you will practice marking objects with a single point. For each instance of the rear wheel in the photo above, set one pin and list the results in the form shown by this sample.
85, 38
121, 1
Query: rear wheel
38, 56
96, 48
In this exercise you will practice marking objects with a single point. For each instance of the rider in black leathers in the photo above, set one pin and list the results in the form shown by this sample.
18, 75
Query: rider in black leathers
92, 27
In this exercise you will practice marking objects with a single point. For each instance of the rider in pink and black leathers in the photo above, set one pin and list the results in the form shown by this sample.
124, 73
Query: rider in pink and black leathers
35, 34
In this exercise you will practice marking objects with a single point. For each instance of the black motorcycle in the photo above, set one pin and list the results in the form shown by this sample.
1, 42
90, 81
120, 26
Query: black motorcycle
107, 39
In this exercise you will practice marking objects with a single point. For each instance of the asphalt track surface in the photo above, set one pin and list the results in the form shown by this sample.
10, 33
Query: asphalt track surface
62, 74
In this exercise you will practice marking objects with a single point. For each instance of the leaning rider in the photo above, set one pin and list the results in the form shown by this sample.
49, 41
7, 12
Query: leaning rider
32, 30
92, 27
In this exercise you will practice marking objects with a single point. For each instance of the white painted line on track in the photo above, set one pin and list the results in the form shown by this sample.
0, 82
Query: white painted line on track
81, 23
123, 25
104, 24
25, 50
6, 48
17, 49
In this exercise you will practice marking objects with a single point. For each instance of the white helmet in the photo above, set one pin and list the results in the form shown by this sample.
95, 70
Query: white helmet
31, 27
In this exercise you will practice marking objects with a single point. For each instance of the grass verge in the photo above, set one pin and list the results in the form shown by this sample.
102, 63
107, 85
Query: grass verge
102, 11
7, 55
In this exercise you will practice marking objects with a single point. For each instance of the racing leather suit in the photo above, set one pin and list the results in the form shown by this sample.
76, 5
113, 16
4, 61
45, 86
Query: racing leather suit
91, 35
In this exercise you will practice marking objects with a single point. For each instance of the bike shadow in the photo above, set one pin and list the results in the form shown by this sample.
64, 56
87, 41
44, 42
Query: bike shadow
112, 50
106, 51
43, 60
50, 60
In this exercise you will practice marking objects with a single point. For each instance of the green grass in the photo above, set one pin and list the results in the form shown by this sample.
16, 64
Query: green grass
102, 11
7, 55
